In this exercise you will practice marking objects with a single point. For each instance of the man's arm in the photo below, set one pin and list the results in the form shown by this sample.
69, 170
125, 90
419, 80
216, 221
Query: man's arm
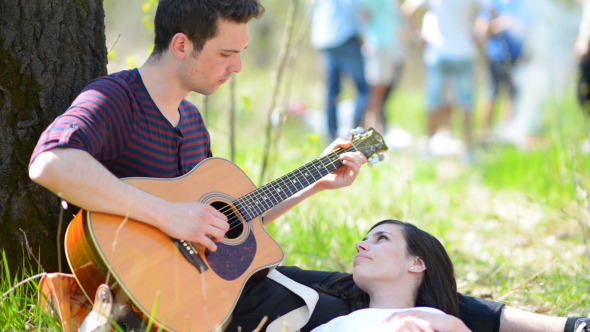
75, 176
342, 177
515, 320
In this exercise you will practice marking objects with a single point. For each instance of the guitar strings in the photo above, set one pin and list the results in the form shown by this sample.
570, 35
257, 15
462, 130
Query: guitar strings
332, 158
235, 221
260, 196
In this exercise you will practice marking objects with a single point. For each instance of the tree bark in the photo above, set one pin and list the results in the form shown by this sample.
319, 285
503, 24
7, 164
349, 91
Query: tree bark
49, 49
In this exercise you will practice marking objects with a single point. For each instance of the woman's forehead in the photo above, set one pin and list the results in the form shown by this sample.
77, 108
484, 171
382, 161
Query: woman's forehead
386, 228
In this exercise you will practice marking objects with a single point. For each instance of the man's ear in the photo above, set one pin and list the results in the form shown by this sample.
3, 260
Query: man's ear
417, 265
180, 46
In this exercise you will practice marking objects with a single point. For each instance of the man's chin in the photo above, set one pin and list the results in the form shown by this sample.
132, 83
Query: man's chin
208, 91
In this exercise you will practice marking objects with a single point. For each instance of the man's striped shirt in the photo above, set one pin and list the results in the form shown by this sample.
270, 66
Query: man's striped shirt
116, 121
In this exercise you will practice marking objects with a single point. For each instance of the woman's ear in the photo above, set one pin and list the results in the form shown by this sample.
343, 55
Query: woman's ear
417, 265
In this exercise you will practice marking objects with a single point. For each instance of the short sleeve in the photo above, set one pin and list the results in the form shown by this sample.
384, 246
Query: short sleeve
96, 122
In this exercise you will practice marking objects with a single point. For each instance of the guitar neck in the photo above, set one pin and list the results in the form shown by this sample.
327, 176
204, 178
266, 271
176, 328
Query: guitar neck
264, 198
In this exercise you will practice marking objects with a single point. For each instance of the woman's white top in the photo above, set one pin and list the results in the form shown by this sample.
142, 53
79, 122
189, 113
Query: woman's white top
363, 319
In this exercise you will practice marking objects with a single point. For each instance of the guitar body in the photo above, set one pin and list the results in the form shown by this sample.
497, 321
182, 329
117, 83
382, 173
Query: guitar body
151, 272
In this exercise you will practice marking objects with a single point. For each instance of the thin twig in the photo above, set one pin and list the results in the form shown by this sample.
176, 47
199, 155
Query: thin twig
37, 276
232, 118
29, 250
291, 59
526, 282
62, 207
283, 57
261, 324
114, 43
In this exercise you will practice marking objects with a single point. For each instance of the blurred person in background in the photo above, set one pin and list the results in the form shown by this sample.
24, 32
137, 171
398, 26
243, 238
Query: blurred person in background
544, 76
335, 32
384, 48
504, 27
448, 29
581, 48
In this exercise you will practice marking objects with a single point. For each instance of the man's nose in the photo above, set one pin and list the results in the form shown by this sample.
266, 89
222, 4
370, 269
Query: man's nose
236, 65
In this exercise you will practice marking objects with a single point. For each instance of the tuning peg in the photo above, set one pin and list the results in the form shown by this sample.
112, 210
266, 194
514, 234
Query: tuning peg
354, 132
375, 159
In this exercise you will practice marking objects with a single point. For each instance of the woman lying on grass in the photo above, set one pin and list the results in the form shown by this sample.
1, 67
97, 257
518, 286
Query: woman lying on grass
404, 280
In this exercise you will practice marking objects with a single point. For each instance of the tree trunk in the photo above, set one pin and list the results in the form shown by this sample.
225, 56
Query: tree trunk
48, 50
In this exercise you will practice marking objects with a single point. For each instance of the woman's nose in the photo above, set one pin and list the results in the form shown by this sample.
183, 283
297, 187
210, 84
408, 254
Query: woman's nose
361, 246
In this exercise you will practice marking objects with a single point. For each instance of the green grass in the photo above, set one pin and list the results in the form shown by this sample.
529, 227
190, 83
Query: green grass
516, 224
512, 224
18, 301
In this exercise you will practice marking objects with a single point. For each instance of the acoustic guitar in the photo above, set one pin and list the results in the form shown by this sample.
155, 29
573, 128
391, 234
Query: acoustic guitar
178, 285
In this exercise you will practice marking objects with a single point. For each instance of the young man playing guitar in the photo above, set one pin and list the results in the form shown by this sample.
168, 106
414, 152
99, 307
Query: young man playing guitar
137, 123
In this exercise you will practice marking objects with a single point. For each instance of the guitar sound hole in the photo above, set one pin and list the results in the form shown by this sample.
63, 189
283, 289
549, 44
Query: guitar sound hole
235, 223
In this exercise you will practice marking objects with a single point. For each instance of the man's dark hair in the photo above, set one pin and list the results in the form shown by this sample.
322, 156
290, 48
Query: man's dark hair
198, 19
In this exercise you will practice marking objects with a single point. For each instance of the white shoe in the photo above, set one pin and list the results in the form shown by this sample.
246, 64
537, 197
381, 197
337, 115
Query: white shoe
443, 144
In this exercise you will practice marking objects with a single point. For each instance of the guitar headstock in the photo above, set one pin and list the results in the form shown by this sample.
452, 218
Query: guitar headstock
370, 143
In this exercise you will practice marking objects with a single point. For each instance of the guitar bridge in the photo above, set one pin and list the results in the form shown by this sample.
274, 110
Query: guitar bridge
190, 253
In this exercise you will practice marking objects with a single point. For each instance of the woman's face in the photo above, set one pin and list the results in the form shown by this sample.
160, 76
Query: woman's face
381, 256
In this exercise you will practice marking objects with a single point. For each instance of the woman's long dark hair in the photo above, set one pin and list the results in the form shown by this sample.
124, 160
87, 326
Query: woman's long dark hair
438, 288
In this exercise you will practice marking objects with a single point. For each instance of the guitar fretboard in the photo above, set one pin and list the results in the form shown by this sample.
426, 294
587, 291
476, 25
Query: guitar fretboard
264, 198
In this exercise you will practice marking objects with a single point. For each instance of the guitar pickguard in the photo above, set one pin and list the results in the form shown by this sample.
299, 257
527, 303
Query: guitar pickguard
232, 261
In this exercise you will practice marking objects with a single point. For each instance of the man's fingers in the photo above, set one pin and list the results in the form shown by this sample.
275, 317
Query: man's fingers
217, 219
356, 158
216, 213
207, 243
216, 234
338, 142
